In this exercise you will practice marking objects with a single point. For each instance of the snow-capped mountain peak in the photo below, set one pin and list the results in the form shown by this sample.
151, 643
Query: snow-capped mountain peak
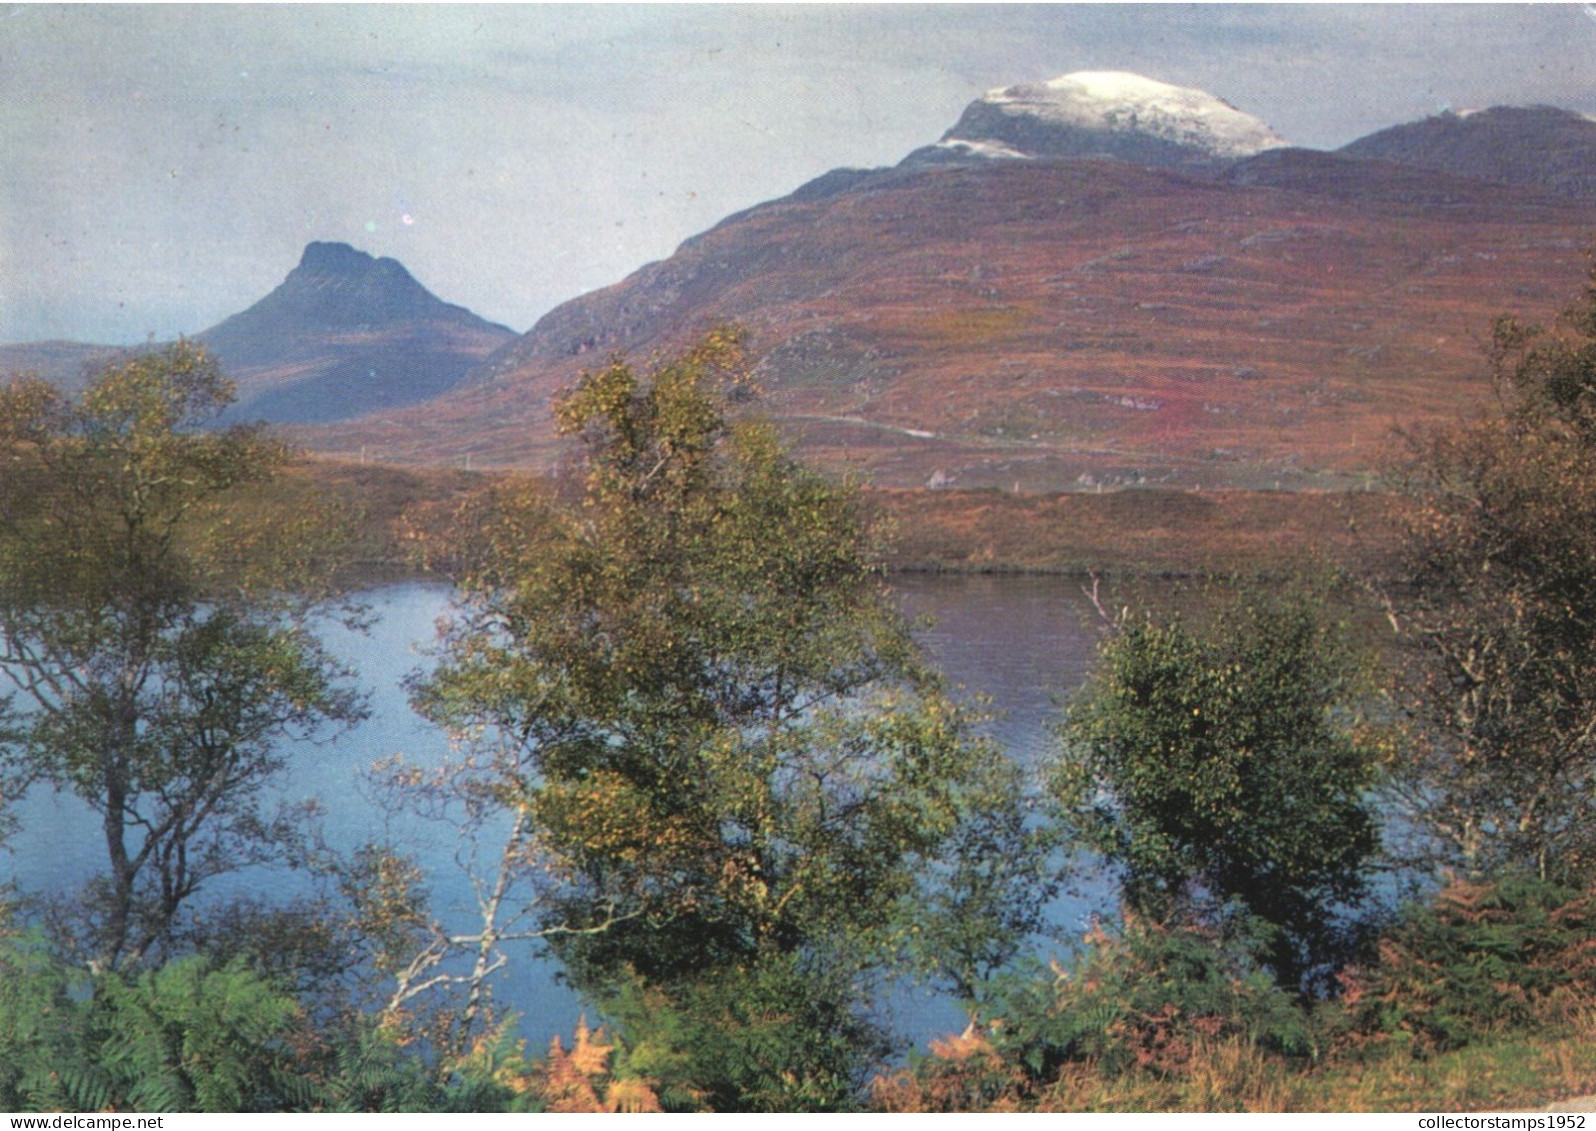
1110, 113
1118, 101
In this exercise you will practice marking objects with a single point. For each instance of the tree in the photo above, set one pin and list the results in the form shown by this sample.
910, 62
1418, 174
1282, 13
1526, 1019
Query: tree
733, 766
1496, 611
1218, 773
158, 644
425, 960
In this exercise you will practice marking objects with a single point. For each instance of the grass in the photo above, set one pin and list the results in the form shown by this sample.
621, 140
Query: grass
972, 326
1136, 533
1510, 1071
379, 508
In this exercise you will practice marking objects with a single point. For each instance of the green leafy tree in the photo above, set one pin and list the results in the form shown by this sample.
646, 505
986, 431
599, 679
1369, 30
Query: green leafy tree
158, 644
1216, 771
714, 734
1496, 608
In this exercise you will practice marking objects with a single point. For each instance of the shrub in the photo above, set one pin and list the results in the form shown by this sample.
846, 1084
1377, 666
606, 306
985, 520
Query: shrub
1516, 954
1144, 998
778, 1035
963, 1073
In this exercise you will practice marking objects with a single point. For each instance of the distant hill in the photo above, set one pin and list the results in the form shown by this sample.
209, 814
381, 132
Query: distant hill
64, 364
343, 335
346, 334
1537, 147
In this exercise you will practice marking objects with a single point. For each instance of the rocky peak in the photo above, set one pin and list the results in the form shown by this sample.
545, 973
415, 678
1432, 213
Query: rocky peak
338, 286
347, 333
1112, 114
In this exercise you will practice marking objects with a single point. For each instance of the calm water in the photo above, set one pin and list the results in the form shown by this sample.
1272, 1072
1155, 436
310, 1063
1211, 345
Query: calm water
1021, 642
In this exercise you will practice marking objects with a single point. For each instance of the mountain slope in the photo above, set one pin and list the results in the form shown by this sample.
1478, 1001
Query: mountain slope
346, 334
1096, 281
1059, 324
1537, 147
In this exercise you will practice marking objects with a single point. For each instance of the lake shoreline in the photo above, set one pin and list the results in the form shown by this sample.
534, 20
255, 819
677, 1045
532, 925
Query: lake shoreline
1127, 534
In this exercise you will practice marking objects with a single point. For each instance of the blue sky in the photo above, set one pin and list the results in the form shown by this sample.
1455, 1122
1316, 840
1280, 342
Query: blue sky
162, 166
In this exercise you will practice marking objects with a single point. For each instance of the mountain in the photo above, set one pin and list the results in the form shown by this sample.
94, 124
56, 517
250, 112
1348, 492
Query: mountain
346, 334
1065, 323
1111, 114
343, 335
1088, 283
1092, 282
1537, 147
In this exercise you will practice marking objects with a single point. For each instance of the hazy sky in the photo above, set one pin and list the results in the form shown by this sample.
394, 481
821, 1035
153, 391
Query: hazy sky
162, 166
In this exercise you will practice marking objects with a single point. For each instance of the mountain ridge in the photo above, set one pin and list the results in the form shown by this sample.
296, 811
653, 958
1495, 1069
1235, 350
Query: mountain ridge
1189, 321
1132, 306
1067, 324
1488, 145
336, 286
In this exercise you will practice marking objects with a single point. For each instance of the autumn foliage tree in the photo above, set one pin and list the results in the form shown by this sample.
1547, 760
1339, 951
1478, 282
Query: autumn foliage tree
735, 770
157, 645
1497, 609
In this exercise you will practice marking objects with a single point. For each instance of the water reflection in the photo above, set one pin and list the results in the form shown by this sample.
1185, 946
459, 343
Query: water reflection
1023, 642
